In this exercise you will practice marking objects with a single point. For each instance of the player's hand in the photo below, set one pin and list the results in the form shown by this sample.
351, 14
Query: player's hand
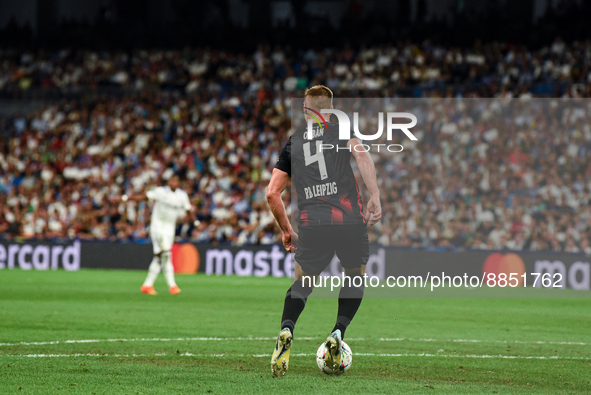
373, 208
290, 241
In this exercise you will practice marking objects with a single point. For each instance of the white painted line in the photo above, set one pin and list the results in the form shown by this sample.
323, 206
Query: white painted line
180, 339
187, 354
206, 339
140, 340
499, 356
398, 339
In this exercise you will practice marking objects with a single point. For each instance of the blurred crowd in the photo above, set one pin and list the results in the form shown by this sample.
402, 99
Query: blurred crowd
516, 181
60, 165
490, 174
491, 69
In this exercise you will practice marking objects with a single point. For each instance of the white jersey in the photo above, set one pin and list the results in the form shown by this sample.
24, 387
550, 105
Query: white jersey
168, 208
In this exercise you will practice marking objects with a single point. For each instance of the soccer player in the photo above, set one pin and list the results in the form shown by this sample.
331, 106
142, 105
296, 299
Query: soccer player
330, 220
171, 203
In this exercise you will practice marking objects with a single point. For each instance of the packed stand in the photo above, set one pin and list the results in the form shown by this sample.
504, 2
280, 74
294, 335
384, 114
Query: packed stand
60, 165
488, 70
220, 120
490, 175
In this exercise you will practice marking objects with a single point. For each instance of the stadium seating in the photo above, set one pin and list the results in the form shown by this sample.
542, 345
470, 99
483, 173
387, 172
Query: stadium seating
114, 122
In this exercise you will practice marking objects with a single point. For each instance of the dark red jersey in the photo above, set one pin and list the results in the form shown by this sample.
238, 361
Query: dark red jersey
326, 187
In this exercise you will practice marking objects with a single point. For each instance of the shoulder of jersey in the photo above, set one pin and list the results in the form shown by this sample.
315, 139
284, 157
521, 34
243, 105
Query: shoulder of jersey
332, 127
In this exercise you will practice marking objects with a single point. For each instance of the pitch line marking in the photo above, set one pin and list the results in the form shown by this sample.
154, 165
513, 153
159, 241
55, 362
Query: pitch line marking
273, 338
149, 340
187, 354
481, 341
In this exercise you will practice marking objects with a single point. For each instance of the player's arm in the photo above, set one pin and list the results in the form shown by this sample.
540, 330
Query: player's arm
368, 173
278, 182
124, 198
153, 194
190, 211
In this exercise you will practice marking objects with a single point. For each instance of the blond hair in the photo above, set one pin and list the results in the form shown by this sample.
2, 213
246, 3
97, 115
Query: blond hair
318, 97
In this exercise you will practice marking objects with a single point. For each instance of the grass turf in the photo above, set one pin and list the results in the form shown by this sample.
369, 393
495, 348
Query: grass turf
55, 307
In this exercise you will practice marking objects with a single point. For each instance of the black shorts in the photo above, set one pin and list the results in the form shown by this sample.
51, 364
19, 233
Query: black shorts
318, 244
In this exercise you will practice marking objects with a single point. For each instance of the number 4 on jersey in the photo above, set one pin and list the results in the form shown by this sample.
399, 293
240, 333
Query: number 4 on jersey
317, 157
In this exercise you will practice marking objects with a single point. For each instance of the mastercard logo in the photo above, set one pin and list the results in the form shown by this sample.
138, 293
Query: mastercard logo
498, 263
185, 258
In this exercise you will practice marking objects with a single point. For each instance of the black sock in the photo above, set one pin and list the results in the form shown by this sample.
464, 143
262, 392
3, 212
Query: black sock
350, 298
295, 301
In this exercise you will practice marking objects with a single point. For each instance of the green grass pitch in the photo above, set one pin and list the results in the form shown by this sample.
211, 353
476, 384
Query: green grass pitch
93, 332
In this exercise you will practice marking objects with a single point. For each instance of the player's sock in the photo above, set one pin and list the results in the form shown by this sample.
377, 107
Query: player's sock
295, 301
168, 269
350, 298
153, 272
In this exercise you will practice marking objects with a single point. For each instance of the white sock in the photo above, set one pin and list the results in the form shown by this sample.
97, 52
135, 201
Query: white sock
153, 272
168, 269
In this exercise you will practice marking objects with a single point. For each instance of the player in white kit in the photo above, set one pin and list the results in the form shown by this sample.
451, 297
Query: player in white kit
170, 204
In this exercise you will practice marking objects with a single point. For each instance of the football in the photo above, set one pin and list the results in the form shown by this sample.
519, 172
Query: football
346, 359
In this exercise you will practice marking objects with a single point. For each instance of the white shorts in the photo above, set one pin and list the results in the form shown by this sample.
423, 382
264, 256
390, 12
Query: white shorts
161, 241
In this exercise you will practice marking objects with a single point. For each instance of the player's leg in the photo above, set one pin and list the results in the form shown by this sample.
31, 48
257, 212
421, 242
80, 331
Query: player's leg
153, 272
296, 297
295, 301
350, 297
166, 262
155, 267
353, 253
314, 252
311, 259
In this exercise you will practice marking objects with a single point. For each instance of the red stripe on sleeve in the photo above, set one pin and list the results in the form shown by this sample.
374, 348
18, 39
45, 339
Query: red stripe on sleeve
359, 200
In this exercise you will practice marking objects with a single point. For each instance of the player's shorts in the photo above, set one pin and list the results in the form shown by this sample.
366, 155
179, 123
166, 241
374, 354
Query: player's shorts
161, 241
318, 244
